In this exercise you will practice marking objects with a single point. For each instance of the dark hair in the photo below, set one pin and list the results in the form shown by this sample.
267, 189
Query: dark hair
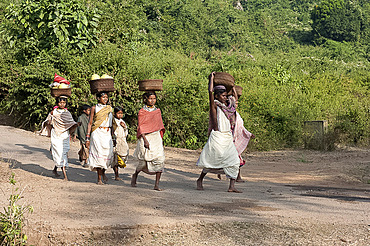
218, 92
117, 109
85, 106
100, 94
147, 94
58, 99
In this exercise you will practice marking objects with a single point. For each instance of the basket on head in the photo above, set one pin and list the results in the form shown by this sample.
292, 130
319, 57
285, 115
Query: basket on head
239, 91
151, 85
225, 79
61, 92
101, 85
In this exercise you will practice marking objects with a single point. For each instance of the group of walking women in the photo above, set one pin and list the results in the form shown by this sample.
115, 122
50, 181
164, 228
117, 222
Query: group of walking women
222, 153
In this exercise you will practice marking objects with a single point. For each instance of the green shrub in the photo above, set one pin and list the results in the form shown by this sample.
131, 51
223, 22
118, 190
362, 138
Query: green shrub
43, 24
266, 46
340, 20
12, 219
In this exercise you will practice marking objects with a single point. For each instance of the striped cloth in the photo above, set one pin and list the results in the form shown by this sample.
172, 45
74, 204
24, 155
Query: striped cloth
241, 137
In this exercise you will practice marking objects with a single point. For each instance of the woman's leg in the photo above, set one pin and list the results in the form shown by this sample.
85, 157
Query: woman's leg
116, 175
200, 180
134, 178
157, 178
239, 178
105, 179
99, 172
232, 187
55, 171
64, 173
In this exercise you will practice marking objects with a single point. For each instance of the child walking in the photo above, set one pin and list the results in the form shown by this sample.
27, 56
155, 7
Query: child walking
149, 149
121, 148
99, 137
62, 125
81, 132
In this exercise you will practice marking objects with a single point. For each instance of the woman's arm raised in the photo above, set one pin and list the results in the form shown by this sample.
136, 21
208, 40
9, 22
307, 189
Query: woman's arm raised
212, 105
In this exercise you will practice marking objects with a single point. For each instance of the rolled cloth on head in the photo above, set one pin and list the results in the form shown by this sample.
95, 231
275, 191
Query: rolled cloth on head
219, 87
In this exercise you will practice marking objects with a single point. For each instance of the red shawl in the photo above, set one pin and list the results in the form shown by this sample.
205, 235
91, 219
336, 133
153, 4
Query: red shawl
149, 122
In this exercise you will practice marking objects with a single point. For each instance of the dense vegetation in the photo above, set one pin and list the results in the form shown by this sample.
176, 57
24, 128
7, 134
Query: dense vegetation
296, 60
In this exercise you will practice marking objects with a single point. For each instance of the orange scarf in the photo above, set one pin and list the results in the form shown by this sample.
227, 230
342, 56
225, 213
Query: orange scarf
149, 122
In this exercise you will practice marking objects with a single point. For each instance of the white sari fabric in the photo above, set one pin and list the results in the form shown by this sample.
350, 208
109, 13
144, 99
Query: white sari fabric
153, 158
121, 135
101, 144
59, 148
219, 151
121, 147
61, 120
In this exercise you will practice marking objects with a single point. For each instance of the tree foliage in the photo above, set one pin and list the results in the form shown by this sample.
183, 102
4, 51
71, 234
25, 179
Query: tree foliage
340, 20
36, 25
266, 45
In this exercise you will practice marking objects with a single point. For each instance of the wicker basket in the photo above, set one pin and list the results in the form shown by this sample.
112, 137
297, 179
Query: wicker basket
224, 79
239, 91
61, 92
101, 85
151, 85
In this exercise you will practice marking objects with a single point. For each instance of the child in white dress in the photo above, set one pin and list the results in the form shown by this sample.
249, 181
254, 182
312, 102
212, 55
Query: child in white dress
121, 148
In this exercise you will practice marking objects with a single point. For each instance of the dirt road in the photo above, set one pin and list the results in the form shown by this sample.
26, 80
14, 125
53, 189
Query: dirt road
290, 197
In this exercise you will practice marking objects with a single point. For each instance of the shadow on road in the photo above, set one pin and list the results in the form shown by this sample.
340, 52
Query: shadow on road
333, 192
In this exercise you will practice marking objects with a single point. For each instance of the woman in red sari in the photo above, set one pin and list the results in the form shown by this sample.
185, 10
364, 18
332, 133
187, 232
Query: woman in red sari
149, 149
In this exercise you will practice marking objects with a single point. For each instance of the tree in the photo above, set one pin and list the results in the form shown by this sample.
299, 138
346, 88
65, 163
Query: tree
43, 24
340, 20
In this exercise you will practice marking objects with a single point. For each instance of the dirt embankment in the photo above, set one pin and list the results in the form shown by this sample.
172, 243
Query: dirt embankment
290, 198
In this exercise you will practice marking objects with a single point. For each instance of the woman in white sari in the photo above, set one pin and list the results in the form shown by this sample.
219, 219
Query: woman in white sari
99, 137
219, 154
61, 122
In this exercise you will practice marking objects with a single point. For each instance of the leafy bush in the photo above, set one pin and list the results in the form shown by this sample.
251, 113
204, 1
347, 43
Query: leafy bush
43, 24
12, 219
266, 46
340, 20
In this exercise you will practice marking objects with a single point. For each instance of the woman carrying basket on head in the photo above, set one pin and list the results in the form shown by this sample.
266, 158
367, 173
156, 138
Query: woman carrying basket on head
219, 155
149, 149
99, 137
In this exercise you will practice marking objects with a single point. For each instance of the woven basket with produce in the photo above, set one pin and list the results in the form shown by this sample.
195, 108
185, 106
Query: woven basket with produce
98, 84
60, 87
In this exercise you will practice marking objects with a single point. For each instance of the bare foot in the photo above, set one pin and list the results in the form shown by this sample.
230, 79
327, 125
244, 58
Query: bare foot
56, 173
157, 188
133, 180
234, 190
240, 180
100, 182
105, 179
65, 179
118, 179
219, 176
199, 185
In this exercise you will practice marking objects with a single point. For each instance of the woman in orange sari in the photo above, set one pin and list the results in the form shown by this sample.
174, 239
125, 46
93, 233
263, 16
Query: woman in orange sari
149, 149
